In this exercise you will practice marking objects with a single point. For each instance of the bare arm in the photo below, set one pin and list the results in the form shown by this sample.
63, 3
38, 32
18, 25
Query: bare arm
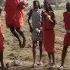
52, 17
29, 17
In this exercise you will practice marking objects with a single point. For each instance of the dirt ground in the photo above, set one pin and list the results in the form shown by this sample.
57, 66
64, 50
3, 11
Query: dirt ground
23, 57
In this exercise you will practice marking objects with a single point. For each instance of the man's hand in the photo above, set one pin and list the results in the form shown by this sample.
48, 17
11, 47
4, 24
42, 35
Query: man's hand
38, 30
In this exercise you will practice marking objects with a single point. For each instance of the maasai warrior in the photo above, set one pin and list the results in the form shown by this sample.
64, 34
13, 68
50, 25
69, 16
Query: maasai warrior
48, 20
35, 29
66, 16
15, 17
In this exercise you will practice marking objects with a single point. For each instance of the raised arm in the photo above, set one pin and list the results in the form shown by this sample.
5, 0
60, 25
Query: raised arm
52, 17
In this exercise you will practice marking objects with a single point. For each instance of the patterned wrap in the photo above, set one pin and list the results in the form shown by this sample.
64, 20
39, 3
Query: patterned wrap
36, 25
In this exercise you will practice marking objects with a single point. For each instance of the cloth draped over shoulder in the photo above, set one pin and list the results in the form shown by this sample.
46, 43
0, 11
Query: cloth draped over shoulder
48, 32
15, 14
47, 24
67, 27
66, 16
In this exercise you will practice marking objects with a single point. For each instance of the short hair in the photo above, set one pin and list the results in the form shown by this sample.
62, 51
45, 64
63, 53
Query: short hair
37, 2
48, 6
68, 6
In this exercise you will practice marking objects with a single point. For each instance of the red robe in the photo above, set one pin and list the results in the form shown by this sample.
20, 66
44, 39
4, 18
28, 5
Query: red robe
1, 42
48, 34
15, 15
67, 27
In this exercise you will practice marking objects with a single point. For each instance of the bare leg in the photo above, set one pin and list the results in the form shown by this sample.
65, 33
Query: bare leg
16, 35
64, 52
21, 33
53, 58
40, 48
49, 55
1, 59
34, 51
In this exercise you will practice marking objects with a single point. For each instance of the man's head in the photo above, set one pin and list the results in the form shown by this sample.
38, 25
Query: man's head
68, 6
36, 4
